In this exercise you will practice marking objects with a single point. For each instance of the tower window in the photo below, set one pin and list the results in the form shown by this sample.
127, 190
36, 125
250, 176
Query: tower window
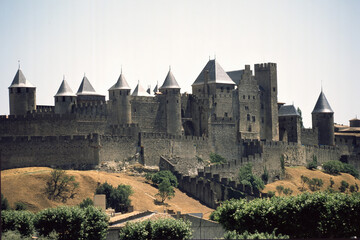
120, 93
249, 129
228, 89
248, 117
253, 118
18, 90
249, 97
63, 99
243, 96
222, 89
253, 97
226, 114
27, 90
274, 89
262, 120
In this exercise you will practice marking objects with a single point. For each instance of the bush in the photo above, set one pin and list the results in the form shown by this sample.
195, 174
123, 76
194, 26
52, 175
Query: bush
116, 198
158, 177
4, 203
279, 189
72, 223
335, 167
256, 235
271, 194
86, 203
61, 186
20, 206
307, 215
246, 177
350, 169
217, 159
157, 229
312, 164
15, 235
265, 176
21, 221
315, 184
343, 186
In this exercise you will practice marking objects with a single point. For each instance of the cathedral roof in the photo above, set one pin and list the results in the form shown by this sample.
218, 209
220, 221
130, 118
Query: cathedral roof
121, 84
20, 81
86, 88
288, 110
65, 90
216, 74
322, 105
170, 82
140, 91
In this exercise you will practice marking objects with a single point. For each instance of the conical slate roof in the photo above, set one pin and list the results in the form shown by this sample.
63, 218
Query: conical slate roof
86, 88
216, 74
156, 88
288, 110
140, 91
65, 90
20, 81
322, 105
121, 84
170, 82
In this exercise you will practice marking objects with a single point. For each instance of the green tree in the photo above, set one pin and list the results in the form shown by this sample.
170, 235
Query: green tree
256, 235
287, 191
116, 198
304, 180
4, 203
86, 203
217, 159
315, 184
279, 189
21, 221
20, 206
166, 191
343, 186
61, 186
282, 164
332, 182
265, 176
246, 177
158, 177
312, 164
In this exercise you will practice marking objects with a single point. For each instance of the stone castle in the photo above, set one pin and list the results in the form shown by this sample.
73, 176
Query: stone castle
234, 114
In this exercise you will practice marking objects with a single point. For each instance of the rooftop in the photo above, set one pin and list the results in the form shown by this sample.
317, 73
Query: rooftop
214, 73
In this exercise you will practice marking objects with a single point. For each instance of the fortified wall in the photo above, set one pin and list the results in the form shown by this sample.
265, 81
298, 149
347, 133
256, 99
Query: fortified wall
74, 151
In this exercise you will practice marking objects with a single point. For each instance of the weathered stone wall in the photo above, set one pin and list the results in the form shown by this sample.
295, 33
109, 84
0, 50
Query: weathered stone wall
116, 148
75, 151
309, 136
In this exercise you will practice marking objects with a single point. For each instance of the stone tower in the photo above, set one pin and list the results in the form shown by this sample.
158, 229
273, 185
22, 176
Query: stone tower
289, 124
266, 75
64, 99
248, 107
171, 90
119, 96
22, 95
323, 120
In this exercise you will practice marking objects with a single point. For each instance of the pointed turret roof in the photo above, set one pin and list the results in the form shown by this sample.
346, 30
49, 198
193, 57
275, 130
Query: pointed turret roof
170, 82
140, 91
288, 110
216, 74
20, 81
65, 90
322, 105
86, 88
156, 89
121, 84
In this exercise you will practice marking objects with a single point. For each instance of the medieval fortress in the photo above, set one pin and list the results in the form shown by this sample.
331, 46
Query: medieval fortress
234, 114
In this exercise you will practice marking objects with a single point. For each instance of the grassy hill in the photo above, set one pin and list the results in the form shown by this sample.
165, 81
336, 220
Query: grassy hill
293, 175
27, 184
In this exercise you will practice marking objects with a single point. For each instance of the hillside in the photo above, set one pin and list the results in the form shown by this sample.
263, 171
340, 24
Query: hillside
293, 180
27, 184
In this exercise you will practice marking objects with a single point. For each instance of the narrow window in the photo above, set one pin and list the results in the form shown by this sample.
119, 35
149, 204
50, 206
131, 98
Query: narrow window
249, 129
222, 89
253, 118
262, 120
226, 114
248, 117
63, 98
274, 89
243, 96
18, 90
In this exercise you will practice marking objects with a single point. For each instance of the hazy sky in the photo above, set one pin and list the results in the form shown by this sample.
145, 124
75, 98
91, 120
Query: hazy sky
311, 42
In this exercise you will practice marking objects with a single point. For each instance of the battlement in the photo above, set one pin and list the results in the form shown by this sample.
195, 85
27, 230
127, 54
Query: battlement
49, 139
90, 104
44, 109
152, 99
264, 66
152, 135
37, 116
275, 144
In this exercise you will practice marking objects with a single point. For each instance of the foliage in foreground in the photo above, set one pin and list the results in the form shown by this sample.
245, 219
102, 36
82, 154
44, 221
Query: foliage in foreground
157, 229
65, 222
4, 203
116, 198
256, 235
307, 215
15, 235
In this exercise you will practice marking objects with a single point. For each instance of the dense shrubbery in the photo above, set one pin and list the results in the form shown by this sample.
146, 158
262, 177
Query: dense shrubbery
21, 221
304, 216
246, 177
4, 203
116, 198
157, 229
312, 164
65, 222
335, 167
256, 235
217, 159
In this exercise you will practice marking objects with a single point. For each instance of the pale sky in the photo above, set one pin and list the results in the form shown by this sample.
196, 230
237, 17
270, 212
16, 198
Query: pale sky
313, 42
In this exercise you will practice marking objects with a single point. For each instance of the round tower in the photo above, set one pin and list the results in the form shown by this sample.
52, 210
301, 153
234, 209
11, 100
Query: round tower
171, 90
119, 96
64, 99
323, 120
22, 95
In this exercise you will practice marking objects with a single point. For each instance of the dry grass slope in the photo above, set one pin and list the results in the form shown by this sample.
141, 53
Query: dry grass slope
27, 184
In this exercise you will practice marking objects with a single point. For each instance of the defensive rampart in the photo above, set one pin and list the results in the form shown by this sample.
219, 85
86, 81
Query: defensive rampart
75, 151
